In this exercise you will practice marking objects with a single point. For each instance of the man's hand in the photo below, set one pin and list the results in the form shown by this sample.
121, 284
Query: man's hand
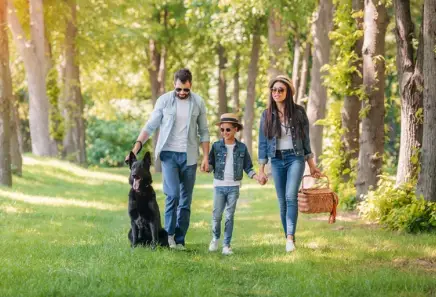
205, 164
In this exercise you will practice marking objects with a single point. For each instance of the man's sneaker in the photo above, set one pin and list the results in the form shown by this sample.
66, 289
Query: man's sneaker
171, 242
227, 250
213, 245
180, 247
290, 246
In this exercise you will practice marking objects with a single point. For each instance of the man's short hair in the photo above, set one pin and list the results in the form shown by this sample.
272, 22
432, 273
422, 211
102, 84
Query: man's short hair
183, 75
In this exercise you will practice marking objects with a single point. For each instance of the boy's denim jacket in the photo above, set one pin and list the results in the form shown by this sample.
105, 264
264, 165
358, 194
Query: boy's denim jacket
241, 160
267, 147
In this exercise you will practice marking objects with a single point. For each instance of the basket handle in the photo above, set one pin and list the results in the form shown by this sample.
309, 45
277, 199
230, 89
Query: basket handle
304, 176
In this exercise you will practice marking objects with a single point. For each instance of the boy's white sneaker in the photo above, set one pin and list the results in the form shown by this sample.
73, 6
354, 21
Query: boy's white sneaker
213, 245
172, 242
227, 250
290, 246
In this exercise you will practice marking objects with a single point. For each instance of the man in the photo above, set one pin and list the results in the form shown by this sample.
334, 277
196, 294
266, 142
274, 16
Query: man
181, 117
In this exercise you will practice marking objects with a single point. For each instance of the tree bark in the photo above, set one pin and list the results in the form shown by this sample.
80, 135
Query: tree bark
236, 87
37, 63
316, 106
277, 44
303, 74
157, 72
16, 149
222, 83
427, 177
251, 89
74, 137
352, 103
296, 63
411, 86
372, 138
5, 99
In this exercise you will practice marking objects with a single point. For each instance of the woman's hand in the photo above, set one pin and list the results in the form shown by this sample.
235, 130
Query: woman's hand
315, 172
262, 178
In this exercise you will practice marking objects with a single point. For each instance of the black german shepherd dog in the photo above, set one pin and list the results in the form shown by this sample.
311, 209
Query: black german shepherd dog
146, 227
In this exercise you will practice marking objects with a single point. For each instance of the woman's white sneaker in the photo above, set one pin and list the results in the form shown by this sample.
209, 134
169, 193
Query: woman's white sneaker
290, 246
213, 245
227, 250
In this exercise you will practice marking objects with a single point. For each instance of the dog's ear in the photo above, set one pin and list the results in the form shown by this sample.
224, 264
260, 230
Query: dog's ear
132, 159
147, 158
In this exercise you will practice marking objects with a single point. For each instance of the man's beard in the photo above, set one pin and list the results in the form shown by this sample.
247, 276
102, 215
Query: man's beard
184, 96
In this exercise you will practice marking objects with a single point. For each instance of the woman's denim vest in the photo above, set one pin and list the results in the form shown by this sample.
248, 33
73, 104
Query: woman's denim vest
241, 160
301, 141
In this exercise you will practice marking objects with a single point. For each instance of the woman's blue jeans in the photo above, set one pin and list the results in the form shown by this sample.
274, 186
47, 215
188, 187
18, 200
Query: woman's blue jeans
287, 171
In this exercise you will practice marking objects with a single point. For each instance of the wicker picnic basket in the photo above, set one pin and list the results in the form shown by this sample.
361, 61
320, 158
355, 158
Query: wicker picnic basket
318, 200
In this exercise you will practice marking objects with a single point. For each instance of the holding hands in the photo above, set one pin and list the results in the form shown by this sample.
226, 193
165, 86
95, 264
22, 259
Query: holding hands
261, 178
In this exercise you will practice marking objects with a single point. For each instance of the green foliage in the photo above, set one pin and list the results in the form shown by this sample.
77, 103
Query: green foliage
57, 127
108, 142
398, 208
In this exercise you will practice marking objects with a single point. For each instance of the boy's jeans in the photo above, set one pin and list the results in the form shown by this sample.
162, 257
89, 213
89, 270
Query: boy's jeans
287, 171
178, 185
224, 197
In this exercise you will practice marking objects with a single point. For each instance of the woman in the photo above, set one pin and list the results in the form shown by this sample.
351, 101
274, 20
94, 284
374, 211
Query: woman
284, 137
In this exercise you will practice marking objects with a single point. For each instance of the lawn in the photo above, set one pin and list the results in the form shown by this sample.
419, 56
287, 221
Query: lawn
63, 232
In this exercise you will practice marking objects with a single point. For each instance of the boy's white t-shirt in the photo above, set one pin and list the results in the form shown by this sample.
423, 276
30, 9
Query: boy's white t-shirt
228, 171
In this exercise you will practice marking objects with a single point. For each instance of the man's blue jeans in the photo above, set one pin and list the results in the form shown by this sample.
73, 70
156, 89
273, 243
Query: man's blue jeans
287, 171
178, 184
224, 197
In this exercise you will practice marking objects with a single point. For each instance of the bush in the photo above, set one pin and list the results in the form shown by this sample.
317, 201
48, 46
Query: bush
108, 142
398, 208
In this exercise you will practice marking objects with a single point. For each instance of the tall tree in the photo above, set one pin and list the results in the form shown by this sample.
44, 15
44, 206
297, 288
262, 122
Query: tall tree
222, 82
5, 98
427, 177
74, 137
411, 91
236, 68
16, 149
296, 64
36, 57
352, 103
372, 138
316, 107
277, 37
303, 74
251, 85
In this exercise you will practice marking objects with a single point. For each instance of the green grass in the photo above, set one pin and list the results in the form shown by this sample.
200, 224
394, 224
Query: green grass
63, 232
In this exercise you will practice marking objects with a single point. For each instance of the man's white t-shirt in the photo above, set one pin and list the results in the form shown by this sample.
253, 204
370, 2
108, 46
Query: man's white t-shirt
228, 170
178, 139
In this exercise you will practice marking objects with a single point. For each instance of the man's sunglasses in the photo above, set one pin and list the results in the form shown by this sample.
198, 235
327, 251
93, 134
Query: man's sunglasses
186, 90
277, 90
226, 129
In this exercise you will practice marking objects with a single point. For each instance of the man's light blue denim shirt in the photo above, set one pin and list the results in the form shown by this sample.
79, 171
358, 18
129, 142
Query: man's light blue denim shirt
164, 117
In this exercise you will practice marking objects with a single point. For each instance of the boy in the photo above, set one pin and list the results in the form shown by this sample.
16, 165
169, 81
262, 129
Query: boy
227, 159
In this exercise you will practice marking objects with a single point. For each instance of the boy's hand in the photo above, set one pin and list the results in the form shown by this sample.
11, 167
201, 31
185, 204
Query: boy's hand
262, 178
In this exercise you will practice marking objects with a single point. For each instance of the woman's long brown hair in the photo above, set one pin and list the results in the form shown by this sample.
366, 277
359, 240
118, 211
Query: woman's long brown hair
272, 125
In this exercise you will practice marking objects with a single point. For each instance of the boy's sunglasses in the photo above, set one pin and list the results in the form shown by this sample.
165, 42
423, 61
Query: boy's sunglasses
226, 129
186, 90
277, 90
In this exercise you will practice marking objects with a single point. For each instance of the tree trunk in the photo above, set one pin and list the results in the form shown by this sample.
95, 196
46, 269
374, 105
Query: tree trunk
411, 85
303, 74
296, 63
237, 63
36, 61
427, 177
5, 99
251, 89
352, 103
277, 44
316, 106
157, 72
222, 84
74, 137
372, 138
16, 149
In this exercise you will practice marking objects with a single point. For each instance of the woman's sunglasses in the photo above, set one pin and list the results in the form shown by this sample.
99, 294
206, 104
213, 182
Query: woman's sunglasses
277, 90
186, 90
226, 129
